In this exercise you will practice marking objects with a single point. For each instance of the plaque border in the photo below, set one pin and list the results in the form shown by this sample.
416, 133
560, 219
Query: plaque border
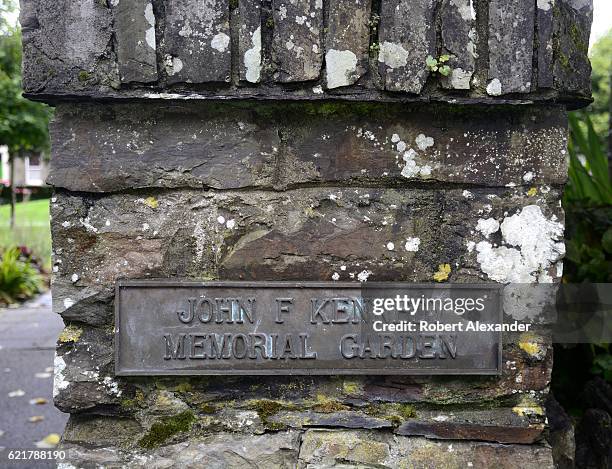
177, 283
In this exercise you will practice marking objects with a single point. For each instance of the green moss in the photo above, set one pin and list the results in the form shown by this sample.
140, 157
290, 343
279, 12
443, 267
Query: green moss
266, 408
135, 402
326, 405
208, 408
270, 23
397, 413
70, 334
84, 75
576, 36
351, 387
233, 4
185, 386
165, 428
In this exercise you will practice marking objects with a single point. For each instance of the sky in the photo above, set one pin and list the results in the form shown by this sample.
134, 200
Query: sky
602, 19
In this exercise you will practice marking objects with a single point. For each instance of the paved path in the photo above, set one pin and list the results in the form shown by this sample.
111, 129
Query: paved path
27, 343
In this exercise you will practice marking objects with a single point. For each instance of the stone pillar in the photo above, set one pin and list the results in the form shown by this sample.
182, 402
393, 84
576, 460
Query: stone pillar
303, 140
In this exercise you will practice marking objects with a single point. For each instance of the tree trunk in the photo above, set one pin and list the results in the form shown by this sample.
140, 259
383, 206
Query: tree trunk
13, 195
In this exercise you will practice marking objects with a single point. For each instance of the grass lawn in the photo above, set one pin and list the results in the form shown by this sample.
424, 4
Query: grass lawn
31, 228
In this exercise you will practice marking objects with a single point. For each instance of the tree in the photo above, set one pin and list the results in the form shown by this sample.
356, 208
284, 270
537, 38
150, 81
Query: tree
23, 123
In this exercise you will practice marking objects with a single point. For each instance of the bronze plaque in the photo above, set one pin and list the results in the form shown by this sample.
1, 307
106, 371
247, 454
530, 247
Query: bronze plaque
168, 327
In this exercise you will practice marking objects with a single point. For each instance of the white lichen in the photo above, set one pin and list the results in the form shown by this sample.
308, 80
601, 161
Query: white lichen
460, 79
494, 88
252, 58
424, 142
535, 245
59, 380
390, 246
544, 4
220, 41
341, 68
150, 32
364, 275
412, 244
487, 226
393, 55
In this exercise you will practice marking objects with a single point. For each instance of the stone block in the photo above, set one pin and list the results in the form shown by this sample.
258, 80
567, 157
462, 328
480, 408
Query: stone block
297, 47
249, 40
407, 35
283, 146
136, 45
347, 42
67, 45
511, 33
459, 40
197, 46
572, 26
321, 448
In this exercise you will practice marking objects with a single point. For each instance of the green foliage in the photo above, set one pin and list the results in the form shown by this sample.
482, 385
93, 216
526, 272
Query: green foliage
589, 179
438, 65
18, 279
601, 60
602, 364
167, 427
23, 123
31, 229
588, 203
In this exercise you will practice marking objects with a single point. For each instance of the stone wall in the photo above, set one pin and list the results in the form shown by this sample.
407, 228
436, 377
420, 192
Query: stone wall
162, 169
500, 50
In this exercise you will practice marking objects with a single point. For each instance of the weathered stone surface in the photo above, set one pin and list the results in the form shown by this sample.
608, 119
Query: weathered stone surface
136, 48
572, 25
594, 439
342, 419
222, 450
406, 37
322, 448
100, 431
197, 41
67, 45
459, 40
308, 234
84, 375
88, 48
347, 42
297, 48
511, 30
118, 147
521, 425
545, 14
249, 40
561, 435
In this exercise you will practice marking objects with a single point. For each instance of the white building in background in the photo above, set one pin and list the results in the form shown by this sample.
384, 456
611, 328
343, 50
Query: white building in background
31, 170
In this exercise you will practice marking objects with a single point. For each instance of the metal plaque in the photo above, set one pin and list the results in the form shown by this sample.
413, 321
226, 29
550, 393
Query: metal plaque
168, 327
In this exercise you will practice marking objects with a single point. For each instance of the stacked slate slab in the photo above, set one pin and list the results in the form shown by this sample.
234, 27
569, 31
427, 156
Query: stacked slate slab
514, 51
303, 140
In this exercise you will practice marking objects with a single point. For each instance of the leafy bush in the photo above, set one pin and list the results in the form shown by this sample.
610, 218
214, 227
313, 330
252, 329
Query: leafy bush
588, 205
18, 278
